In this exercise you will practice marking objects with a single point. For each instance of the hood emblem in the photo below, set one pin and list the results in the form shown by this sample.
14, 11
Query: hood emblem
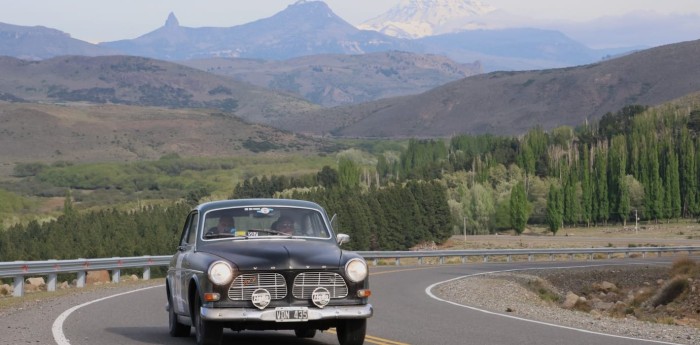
321, 297
261, 298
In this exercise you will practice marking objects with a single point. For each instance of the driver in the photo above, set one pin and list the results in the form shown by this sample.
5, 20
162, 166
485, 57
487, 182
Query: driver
226, 225
285, 225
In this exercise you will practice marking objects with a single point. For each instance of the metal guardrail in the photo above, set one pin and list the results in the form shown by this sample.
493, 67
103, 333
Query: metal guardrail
19, 270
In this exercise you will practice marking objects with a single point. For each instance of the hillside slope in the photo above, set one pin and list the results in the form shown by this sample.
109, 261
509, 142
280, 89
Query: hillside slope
97, 133
513, 102
331, 80
139, 81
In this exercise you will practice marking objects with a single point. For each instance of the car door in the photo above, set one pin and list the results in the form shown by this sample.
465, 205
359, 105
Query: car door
181, 273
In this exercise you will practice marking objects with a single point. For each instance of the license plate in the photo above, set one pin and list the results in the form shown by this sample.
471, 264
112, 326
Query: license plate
291, 314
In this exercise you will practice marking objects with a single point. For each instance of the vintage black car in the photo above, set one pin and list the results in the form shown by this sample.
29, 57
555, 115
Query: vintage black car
265, 264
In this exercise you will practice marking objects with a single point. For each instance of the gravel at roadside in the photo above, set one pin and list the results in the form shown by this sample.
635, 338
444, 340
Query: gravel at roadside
504, 293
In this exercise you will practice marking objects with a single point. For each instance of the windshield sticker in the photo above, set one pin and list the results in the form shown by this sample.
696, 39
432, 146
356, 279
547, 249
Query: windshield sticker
265, 210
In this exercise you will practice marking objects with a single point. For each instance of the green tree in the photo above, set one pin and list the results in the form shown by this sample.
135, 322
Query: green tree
518, 208
555, 205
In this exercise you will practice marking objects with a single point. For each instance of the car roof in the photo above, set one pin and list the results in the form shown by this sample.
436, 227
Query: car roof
213, 205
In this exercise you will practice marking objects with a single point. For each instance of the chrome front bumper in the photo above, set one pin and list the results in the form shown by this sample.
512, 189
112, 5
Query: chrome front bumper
249, 314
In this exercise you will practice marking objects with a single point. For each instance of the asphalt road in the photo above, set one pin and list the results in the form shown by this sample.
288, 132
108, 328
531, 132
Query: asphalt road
404, 314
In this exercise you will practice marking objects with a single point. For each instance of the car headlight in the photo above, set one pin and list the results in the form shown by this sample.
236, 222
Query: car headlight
356, 270
220, 273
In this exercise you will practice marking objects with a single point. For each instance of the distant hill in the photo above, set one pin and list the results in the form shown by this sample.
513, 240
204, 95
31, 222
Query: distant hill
38, 42
97, 133
308, 28
139, 81
311, 28
332, 80
513, 102
304, 28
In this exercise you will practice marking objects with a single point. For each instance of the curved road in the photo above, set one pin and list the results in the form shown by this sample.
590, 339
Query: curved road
404, 314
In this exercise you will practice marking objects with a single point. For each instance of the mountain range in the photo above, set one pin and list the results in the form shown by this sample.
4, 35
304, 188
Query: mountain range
513, 102
311, 28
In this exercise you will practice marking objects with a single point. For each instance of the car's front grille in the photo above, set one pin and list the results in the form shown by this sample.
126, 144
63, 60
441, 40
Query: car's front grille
244, 285
306, 283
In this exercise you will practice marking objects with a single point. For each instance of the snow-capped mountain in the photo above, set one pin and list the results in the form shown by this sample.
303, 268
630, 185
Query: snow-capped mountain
420, 18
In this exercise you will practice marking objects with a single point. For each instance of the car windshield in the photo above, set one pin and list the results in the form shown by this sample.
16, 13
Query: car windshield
268, 222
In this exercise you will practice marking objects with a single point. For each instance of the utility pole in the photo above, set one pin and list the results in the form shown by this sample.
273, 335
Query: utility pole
636, 229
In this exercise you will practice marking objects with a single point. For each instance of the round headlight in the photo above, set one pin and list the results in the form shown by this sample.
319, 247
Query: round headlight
220, 273
356, 270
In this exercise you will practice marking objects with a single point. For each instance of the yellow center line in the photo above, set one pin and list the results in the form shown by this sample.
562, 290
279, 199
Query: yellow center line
375, 340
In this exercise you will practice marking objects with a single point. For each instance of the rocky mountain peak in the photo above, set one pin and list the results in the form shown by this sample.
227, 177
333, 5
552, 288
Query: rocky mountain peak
172, 21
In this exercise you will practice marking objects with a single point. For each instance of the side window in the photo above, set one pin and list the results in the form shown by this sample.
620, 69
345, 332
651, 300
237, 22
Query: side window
189, 230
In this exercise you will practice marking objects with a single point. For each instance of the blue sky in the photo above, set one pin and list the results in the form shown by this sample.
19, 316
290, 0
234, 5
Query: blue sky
108, 20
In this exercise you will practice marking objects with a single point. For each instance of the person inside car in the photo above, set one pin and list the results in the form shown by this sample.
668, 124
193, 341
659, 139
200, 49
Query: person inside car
284, 224
226, 225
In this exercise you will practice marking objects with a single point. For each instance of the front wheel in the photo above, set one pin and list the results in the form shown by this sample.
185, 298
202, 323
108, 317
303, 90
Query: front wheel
176, 328
206, 332
352, 332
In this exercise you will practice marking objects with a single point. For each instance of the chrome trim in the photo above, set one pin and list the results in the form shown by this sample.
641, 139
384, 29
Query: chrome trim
249, 314
244, 285
306, 282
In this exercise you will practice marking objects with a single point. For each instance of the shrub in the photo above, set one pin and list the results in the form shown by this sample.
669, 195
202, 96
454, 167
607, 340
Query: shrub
685, 266
670, 291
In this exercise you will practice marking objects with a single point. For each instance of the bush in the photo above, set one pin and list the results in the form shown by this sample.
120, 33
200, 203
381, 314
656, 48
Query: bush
670, 291
685, 266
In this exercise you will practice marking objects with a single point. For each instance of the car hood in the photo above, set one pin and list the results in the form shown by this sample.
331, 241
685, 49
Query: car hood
278, 254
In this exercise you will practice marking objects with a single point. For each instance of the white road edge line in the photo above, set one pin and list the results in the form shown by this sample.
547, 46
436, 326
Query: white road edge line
57, 328
429, 293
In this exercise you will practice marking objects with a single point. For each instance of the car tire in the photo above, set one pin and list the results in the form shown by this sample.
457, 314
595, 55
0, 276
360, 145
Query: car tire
305, 332
206, 332
176, 328
352, 332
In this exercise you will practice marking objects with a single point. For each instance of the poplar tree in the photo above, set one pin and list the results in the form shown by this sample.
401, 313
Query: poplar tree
518, 208
554, 209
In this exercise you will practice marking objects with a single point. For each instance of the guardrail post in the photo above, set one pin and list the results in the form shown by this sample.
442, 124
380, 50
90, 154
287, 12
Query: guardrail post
590, 256
147, 273
571, 257
81, 279
627, 254
116, 273
398, 261
551, 257
464, 259
375, 261
420, 261
442, 260
658, 254
509, 259
51, 284
486, 258
18, 286
644, 255
530, 257
609, 256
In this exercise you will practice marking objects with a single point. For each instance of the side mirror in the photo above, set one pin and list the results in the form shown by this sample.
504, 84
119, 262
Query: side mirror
342, 238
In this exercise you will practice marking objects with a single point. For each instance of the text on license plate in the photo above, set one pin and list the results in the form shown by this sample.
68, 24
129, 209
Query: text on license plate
291, 314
